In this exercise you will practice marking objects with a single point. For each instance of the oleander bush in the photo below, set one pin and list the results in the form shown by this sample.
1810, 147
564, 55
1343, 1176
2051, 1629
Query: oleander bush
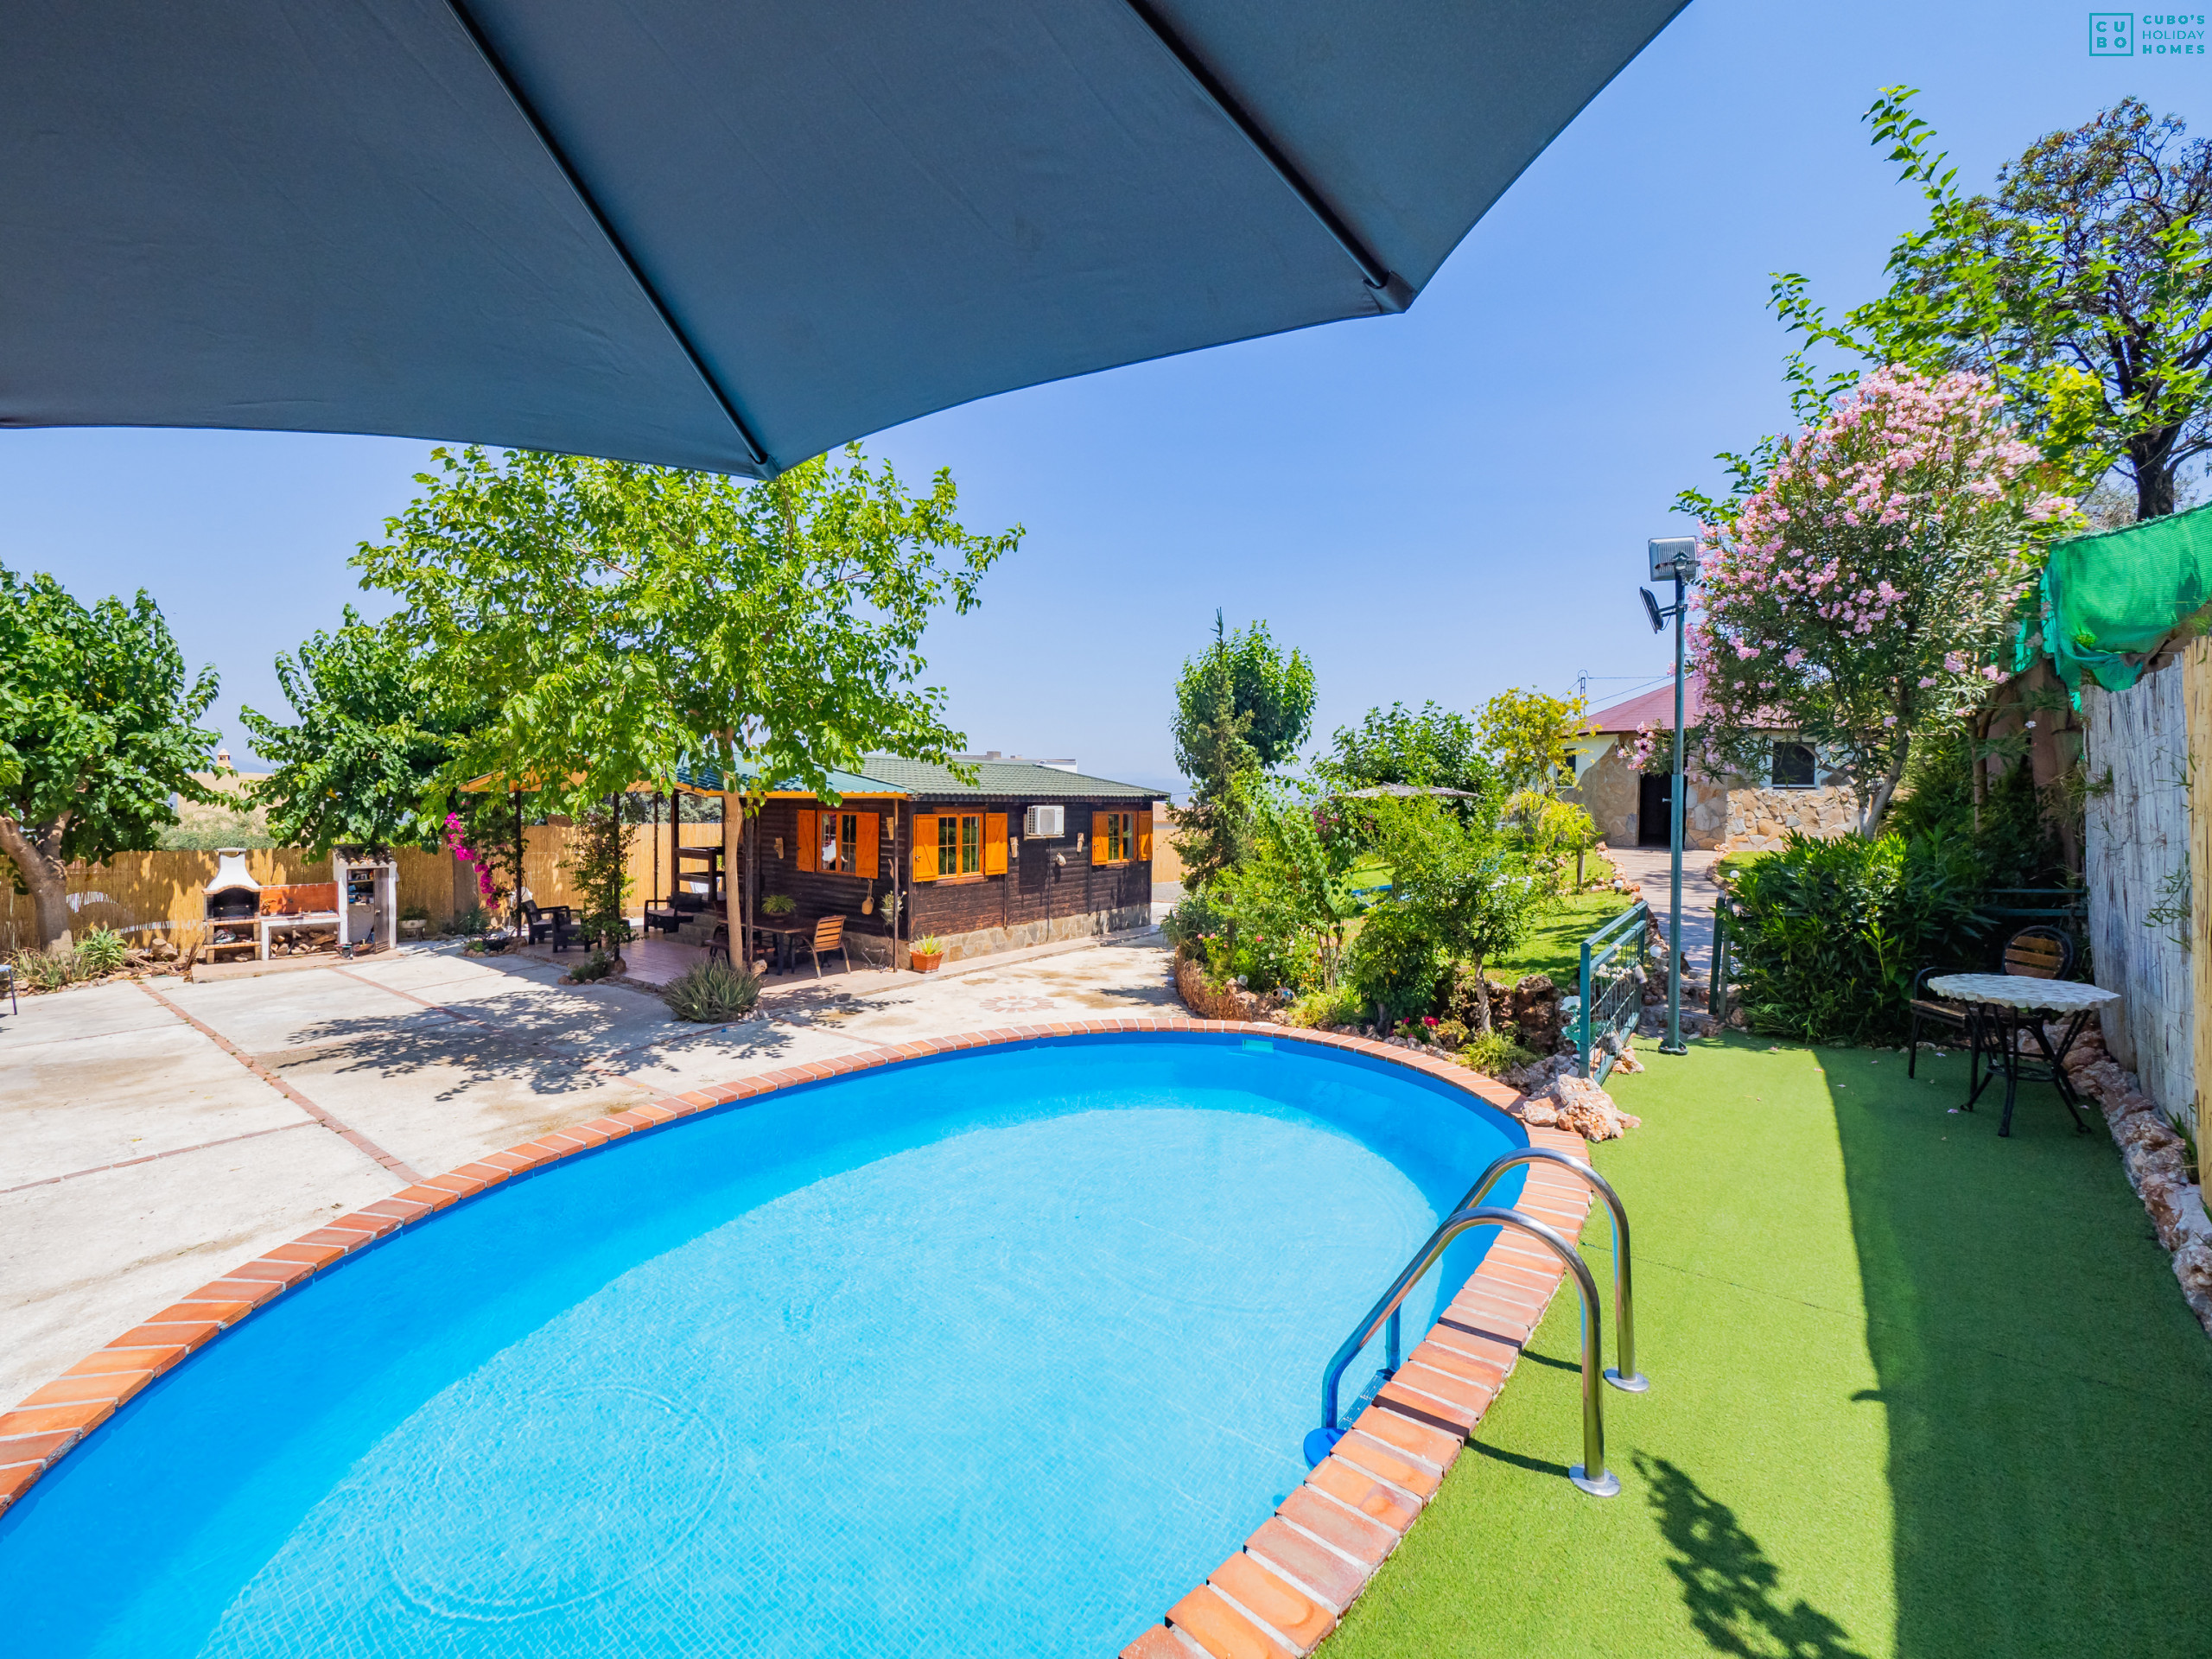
1825, 936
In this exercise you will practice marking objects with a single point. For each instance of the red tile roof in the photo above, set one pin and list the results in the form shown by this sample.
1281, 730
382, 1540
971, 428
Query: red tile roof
1655, 707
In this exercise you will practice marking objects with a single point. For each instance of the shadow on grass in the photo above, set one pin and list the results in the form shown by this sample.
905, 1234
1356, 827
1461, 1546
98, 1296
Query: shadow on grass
1728, 1584
2048, 1396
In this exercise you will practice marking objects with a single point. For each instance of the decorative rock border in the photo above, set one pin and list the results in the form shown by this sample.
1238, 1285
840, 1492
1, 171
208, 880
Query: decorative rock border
1282, 1594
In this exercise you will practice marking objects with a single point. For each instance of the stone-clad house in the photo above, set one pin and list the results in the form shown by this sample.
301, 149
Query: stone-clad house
1631, 806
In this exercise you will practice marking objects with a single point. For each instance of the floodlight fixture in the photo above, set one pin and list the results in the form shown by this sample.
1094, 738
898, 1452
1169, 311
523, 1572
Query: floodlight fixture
1651, 609
1674, 558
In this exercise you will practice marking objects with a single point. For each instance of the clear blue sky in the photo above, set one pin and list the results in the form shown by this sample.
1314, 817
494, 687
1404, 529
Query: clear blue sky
1434, 505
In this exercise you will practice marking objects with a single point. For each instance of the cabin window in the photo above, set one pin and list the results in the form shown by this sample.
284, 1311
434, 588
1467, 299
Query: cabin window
1793, 765
1113, 838
960, 844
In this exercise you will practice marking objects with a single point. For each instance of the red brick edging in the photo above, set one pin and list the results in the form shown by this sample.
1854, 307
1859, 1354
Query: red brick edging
1282, 1592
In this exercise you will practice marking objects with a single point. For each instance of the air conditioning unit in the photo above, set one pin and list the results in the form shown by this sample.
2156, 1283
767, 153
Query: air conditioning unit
1046, 822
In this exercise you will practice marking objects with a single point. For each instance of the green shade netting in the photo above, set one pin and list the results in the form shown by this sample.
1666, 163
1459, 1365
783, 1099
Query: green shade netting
2108, 600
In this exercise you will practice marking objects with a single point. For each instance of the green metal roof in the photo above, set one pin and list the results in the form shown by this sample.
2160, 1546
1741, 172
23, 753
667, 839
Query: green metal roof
706, 776
998, 780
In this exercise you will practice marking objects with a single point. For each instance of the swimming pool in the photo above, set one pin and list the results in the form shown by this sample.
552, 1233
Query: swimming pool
990, 1354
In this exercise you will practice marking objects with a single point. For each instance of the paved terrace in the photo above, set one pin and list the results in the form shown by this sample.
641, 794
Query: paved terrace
156, 1134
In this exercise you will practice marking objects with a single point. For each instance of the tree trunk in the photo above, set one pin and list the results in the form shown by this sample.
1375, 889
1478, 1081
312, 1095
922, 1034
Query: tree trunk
2148, 454
43, 873
1482, 996
740, 955
1878, 803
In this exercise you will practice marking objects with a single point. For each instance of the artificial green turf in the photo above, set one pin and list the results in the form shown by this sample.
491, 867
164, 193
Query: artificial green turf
1916, 1391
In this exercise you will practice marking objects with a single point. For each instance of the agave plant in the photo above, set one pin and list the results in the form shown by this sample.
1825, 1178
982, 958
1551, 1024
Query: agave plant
712, 993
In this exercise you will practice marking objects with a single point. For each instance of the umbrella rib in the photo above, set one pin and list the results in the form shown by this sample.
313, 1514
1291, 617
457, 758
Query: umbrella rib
1392, 292
560, 160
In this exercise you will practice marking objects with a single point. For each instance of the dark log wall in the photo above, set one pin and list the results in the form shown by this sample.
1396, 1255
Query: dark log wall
1034, 888
818, 894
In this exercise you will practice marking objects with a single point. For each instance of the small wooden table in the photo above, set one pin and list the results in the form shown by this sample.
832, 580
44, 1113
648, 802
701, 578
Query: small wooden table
2003, 1005
787, 935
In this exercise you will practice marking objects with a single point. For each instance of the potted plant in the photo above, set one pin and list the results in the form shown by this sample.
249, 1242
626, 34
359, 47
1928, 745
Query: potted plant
413, 920
925, 953
778, 904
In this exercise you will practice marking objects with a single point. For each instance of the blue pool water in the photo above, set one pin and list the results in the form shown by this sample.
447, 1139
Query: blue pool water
995, 1354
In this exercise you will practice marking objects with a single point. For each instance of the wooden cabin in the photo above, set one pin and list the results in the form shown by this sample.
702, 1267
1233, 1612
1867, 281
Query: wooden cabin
982, 867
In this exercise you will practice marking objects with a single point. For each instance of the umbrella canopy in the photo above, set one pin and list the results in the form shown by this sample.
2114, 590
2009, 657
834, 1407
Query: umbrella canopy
726, 236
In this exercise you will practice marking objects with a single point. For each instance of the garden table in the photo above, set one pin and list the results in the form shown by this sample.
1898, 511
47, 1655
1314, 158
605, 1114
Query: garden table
2005, 1005
784, 936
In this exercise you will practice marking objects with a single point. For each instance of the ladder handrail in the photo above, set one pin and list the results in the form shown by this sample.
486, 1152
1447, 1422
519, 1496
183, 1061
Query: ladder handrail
1626, 1376
1591, 1473
1385, 1312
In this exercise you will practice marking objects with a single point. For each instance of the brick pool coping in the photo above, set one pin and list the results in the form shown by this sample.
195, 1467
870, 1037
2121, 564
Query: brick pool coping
1280, 1594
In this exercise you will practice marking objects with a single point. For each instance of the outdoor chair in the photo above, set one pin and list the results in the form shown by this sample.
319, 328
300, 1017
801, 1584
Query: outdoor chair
1926, 1008
2039, 952
7, 973
829, 940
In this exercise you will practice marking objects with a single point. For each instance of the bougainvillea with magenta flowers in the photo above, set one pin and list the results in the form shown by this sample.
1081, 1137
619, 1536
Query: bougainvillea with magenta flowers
1862, 589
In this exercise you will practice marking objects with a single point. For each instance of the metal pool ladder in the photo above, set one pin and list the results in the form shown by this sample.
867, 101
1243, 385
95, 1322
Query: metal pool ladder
1590, 1474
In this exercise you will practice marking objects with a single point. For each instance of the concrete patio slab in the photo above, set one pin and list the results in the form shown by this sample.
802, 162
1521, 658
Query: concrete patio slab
84, 1259
69, 1106
432, 1057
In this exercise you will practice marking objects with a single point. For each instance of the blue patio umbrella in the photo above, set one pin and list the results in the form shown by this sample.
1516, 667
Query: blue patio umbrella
726, 235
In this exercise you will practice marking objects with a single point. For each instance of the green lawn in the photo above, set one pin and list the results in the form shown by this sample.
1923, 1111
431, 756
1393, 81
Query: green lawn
1554, 946
1916, 1391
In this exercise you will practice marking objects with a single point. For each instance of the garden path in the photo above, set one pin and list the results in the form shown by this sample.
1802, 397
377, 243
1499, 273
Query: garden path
1647, 865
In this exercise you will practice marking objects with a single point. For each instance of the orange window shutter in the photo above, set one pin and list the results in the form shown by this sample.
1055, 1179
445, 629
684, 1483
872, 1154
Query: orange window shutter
994, 843
1098, 837
810, 841
867, 862
1144, 837
925, 847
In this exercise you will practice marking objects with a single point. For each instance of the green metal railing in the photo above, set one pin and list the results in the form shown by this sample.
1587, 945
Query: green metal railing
1613, 960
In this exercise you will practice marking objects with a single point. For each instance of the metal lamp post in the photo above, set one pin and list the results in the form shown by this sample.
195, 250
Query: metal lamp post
1673, 559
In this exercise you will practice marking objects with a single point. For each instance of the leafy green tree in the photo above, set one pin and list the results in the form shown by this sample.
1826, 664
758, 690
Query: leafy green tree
1241, 706
358, 762
2082, 287
1288, 904
98, 728
1526, 735
617, 622
1457, 880
1435, 749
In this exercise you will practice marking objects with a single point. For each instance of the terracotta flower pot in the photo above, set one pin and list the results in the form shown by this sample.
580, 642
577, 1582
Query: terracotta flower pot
926, 964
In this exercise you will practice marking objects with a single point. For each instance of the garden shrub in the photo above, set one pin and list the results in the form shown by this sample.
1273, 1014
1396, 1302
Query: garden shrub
1394, 964
47, 971
1825, 936
1496, 1051
1334, 1005
712, 993
597, 966
102, 951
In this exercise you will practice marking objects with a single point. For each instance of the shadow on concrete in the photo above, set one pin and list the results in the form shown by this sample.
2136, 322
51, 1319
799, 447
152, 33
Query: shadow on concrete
1728, 1584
